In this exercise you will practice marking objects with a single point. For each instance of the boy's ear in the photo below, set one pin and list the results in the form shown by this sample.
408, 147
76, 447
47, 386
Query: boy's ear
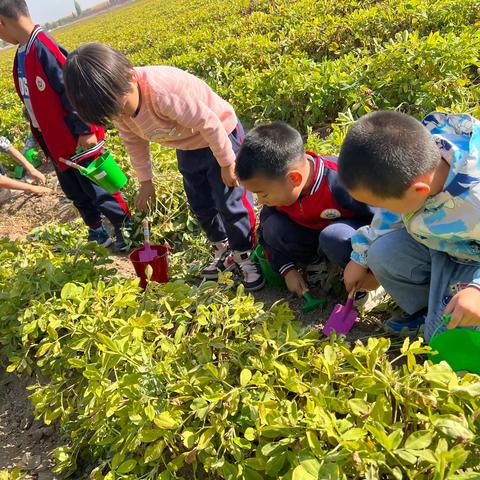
421, 188
295, 178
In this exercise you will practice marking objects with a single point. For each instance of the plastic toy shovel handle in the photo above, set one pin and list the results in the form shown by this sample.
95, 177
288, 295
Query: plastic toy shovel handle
146, 233
74, 165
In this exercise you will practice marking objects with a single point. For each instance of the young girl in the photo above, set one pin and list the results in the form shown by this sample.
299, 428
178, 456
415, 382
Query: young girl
176, 109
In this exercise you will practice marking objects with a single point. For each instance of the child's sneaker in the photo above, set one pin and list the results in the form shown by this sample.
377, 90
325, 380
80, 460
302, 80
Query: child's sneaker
367, 301
100, 236
406, 325
250, 271
222, 261
317, 272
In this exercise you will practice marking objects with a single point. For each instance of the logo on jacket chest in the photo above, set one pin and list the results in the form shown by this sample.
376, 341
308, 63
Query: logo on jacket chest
40, 82
330, 214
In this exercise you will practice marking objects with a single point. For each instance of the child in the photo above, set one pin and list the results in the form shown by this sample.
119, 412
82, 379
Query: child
424, 247
172, 107
307, 214
5, 182
55, 126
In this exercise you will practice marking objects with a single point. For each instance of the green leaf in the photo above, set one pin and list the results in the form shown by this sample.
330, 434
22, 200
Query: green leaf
274, 465
189, 438
166, 421
127, 466
245, 377
419, 440
242, 443
452, 427
70, 291
154, 451
205, 438
150, 435
299, 473
250, 434
150, 412
43, 349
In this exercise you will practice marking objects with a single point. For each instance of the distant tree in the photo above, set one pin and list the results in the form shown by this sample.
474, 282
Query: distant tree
78, 8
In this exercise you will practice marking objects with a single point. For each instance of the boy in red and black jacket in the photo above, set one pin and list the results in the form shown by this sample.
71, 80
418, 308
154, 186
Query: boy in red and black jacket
307, 215
38, 76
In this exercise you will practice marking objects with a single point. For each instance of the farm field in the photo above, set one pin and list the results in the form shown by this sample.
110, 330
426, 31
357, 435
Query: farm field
201, 381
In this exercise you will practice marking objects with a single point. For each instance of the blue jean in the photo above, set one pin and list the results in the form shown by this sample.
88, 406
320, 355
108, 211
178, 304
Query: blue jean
418, 277
287, 242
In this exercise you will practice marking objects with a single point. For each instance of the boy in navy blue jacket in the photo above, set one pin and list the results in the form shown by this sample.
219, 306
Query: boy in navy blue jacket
307, 215
38, 76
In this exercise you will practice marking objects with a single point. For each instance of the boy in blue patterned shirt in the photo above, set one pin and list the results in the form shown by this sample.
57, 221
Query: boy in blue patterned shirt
423, 247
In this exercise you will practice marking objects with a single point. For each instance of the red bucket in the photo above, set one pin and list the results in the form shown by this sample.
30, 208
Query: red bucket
159, 265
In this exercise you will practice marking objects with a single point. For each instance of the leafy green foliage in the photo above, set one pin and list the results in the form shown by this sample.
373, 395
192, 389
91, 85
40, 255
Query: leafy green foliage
179, 379
192, 381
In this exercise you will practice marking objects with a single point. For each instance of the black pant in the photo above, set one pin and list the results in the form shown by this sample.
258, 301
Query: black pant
222, 212
90, 199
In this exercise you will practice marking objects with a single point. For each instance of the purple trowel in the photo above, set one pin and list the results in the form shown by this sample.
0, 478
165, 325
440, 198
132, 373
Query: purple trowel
342, 318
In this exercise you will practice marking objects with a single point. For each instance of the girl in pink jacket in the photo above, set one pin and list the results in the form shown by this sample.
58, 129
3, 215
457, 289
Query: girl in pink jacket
174, 108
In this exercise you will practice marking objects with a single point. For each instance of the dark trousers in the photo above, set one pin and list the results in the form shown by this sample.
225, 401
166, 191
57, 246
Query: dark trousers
90, 199
287, 242
223, 212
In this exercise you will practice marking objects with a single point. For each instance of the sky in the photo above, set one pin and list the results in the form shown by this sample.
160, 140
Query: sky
46, 10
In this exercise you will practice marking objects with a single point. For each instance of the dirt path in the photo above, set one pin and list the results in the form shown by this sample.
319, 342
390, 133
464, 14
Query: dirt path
24, 442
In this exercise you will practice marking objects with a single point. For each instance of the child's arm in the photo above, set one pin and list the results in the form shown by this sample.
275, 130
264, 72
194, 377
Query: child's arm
30, 169
139, 151
192, 113
54, 72
10, 183
356, 272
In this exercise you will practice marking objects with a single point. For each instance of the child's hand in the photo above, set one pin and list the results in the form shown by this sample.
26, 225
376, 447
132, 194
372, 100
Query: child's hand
465, 308
87, 141
38, 176
228, 176
38, 190
354, 276
295, 282
146, 195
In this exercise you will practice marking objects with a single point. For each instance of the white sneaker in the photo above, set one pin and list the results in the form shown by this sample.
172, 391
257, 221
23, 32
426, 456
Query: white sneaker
251, 273
222, 261
367, 301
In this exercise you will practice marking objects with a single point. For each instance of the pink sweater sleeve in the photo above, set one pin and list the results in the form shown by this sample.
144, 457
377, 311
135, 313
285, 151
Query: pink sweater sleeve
195, 114
139, 150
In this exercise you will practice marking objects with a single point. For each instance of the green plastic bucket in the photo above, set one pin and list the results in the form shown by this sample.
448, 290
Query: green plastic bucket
459, 347
106, 173
33, 156
272, 278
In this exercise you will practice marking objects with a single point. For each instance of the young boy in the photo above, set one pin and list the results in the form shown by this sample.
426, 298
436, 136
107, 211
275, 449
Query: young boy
55, 125
176, 109
9, 183
424, 247
307, 214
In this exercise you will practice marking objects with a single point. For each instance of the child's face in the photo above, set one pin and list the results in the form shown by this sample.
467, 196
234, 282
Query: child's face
5, 34
130, 101
278, 192
413, 199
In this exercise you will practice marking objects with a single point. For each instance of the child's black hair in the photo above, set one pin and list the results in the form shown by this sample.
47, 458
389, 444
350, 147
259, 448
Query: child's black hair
384, 152
269, 150
97, 78
14, 9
